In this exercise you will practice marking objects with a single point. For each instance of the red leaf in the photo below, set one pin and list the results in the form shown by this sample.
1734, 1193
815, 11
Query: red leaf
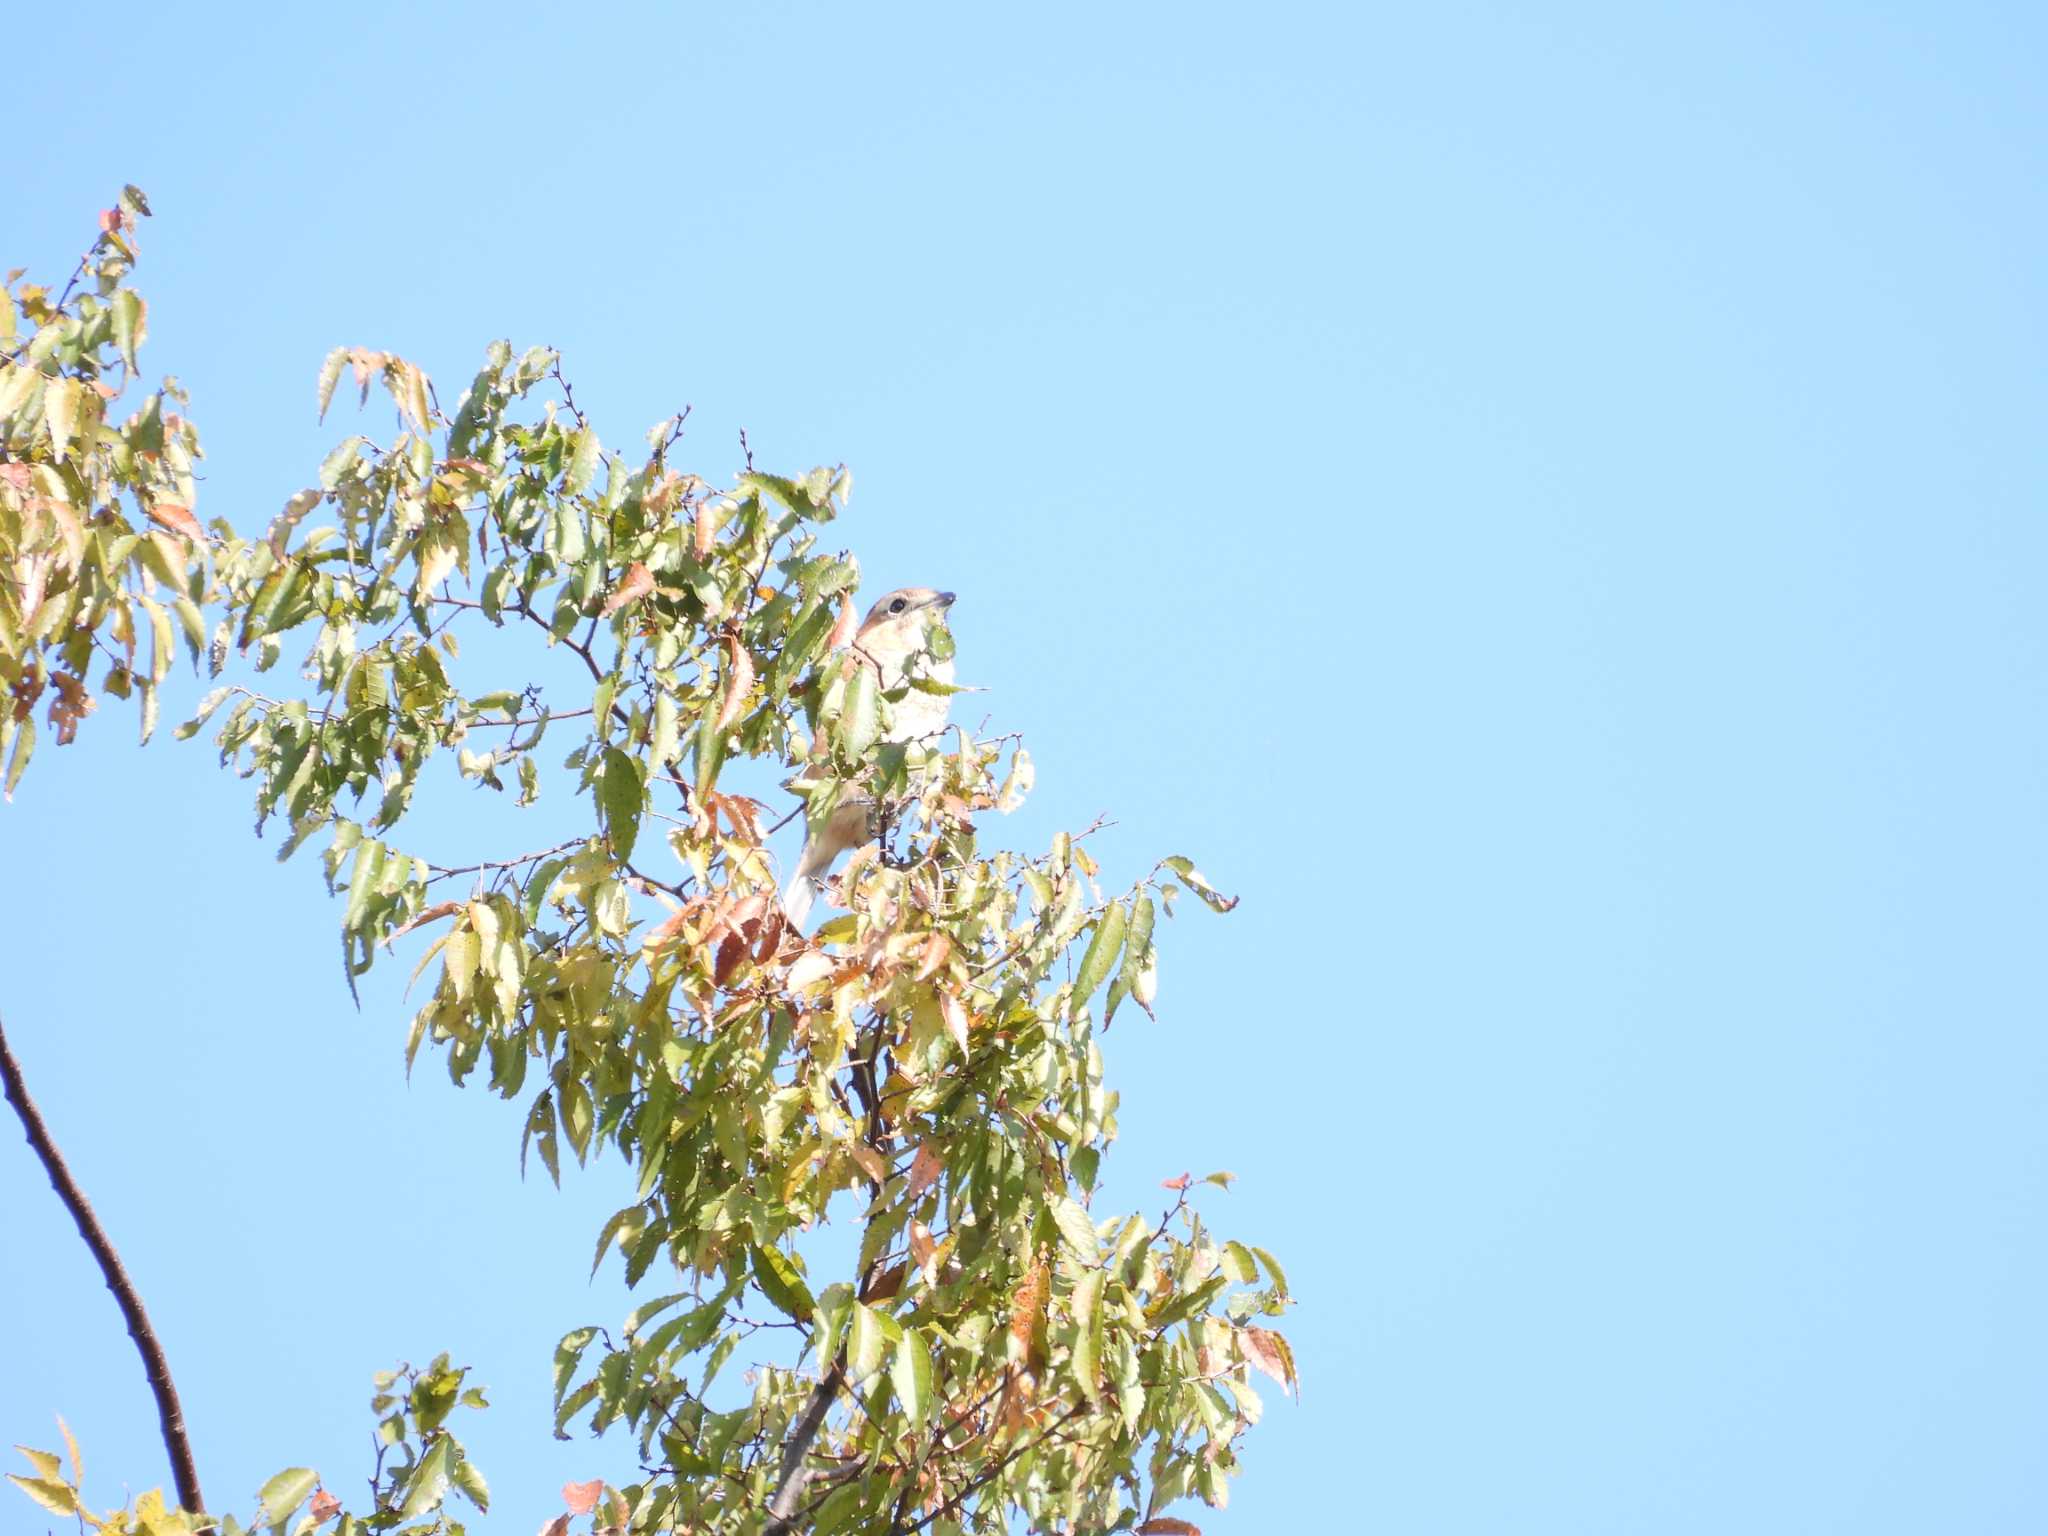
582, 1497
925, 1169
1270, 1353
1166, 1525
844, 627
638, 582
325, 1507
178, 518
1180, 1183
739, 683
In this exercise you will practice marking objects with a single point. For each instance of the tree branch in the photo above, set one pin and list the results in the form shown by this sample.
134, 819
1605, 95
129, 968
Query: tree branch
169, 1415
789, 1484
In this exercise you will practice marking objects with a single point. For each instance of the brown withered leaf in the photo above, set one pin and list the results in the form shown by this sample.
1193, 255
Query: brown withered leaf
582, 1497
559, 1526
925, 1169
739, 682
938, 949
888, 1283
1166, 1525
438, 910
71, 705
871, 1162
923, 1247
731, 950
1027, 1314
177, 517
637, 583
702, 531
954, 1012
746, 914
769, 939
844, 627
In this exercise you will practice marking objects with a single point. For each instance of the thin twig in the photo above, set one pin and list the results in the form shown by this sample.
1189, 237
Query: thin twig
170, 1416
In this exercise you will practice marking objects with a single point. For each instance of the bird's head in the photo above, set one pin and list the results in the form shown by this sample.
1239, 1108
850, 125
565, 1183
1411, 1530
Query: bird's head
896, 626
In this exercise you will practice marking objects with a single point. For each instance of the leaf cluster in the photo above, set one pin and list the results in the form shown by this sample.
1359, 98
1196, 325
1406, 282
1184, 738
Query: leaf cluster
495, 588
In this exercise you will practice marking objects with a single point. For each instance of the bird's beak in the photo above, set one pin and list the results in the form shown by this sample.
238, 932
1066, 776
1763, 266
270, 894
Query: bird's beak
943, 600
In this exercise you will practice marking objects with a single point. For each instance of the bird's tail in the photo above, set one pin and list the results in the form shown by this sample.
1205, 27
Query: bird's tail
808, 878
797, 897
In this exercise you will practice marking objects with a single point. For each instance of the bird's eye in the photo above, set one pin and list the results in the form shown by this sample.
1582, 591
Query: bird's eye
898, 606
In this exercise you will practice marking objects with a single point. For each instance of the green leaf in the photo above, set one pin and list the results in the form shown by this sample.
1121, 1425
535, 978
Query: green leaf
860, 722
1087, 1307
428, 1485
567, 1354
1185, 868
910, 1373
1273, 1268
582, 462
330, 374
865, 1344
1101, 954
781, 1284
130, 324
24, 744
640, 1314
620, 799
471, 1481
1076, 1229
285, 1492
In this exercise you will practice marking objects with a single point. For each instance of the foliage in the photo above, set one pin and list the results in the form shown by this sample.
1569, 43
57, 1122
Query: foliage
97, 536
924, 1067
426, 1465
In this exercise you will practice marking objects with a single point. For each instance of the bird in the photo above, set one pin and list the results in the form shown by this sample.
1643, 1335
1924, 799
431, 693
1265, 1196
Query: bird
894, 632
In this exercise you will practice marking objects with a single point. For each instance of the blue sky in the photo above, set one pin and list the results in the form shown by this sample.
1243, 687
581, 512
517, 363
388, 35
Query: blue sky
1544, 502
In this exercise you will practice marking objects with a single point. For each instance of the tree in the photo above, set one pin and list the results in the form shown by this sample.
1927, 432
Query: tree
924, 1066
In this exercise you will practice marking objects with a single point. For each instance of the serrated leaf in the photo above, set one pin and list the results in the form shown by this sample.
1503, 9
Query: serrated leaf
428, 1485
56, 1497
1076, 1229
621, 799
47, 1463
1195, 882
582, 465
1101, 954
860, 722
330, 375
471, 1481
131, 324
285, 1492
865, 1344
781, 1284
910, 1373
1087, 1308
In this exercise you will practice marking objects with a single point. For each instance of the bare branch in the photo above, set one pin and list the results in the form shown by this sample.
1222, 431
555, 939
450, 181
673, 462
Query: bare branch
170, 1416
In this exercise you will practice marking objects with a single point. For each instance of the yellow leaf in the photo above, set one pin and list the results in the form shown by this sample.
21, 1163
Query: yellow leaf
58, 1498
61, 400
